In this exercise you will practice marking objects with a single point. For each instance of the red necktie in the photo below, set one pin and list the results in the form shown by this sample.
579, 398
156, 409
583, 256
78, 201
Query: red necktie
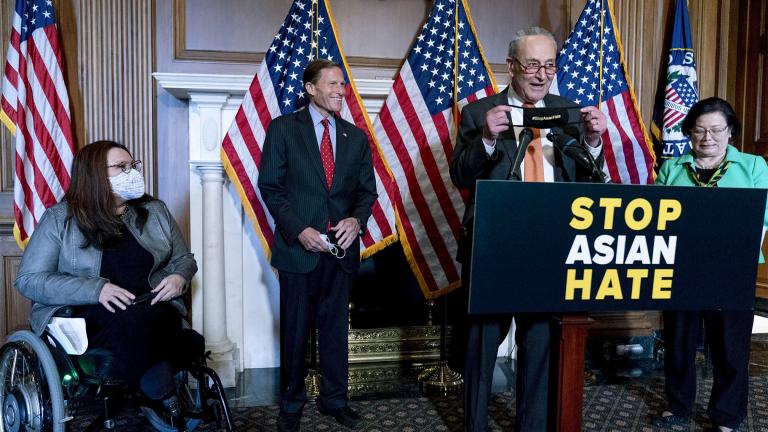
533, 162
326, 153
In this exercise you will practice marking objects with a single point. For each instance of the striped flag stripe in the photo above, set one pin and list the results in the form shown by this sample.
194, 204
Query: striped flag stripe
49, 107
32, 206
415, 130
46, 189
612, 160
624, 141
443, 122
422, 151
418, 212
47, 57
35, 106
242, 133
444, 216
262, 219
23, 193
410, 191
642, 160
617, 142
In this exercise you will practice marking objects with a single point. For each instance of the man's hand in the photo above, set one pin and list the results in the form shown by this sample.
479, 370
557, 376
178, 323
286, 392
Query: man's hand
346, 232
112, 295
310, 239
496, 121
169, 288
596, 124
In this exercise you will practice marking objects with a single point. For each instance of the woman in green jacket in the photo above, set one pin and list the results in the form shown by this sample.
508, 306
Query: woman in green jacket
713, 162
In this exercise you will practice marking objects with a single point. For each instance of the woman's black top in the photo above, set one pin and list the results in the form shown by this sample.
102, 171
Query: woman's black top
705, 174
127, 264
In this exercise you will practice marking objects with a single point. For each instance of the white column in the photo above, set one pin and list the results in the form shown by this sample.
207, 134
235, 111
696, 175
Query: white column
214, 292
205, 143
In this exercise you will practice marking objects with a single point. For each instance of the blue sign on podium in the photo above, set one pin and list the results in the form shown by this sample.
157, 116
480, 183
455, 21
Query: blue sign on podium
577, 247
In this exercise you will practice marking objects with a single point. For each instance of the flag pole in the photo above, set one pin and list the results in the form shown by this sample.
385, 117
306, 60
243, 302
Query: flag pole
441, 377
456, 63
600, 78
314, 46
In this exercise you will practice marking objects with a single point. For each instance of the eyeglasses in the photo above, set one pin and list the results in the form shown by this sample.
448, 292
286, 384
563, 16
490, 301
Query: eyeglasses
716, 132
127, 166
533, 68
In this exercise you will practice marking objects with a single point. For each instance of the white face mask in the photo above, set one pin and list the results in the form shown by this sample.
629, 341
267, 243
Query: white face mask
128, 185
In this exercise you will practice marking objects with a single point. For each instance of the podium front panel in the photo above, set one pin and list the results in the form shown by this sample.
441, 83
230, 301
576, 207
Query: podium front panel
575, 247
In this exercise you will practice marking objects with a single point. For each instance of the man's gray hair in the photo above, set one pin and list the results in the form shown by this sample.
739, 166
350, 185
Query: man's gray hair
530, 31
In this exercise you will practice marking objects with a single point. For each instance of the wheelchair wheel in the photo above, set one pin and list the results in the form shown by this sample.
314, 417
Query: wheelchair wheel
191, 406
30, 387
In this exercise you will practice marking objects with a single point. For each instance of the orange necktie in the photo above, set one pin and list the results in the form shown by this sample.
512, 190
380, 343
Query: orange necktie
533, 162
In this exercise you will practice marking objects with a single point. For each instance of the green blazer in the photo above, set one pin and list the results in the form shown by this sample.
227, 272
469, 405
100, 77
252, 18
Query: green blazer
745, 171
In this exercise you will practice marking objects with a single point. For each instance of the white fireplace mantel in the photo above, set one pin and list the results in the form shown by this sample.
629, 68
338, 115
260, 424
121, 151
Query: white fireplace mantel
372, 91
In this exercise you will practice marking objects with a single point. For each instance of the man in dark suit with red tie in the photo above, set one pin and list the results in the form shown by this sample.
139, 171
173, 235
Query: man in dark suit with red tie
316, 178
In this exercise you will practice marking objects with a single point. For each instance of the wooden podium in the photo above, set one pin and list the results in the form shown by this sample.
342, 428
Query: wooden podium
573, 248
567, 388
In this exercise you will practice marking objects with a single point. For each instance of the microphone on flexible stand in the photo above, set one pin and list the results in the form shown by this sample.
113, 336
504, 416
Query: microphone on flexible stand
526, 136
571, 148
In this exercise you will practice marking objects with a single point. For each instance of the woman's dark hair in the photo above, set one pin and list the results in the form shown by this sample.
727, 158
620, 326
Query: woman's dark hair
710, 105
90, 201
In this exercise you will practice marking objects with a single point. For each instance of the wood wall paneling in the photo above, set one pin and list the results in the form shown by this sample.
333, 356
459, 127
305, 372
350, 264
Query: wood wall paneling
68, 29
395, 22
751, 89
14, 309
115, 40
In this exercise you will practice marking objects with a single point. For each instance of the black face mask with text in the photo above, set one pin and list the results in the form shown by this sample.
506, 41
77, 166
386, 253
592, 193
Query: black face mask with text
547, 118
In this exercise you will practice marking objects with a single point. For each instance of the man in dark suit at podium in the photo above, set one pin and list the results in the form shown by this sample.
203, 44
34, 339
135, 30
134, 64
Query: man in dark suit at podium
316, 178
485, 149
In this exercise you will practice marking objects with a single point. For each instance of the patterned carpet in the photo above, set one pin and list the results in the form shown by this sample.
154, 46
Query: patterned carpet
607, 408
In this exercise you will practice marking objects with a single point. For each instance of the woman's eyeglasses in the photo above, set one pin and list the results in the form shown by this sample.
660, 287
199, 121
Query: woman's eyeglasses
127, 166
716, 132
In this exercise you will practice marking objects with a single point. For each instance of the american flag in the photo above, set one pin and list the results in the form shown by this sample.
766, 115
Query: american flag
308, 32
680, 92
444, 71
35, 107
592, 72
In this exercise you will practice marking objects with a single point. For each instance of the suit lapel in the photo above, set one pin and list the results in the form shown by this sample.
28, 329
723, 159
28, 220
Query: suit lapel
343, 152
309, 139
506, 140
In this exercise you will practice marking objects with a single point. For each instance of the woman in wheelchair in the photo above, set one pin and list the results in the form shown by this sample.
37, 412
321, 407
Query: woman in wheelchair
113, 255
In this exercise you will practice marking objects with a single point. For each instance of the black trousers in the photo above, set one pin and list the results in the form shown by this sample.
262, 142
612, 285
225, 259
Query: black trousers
319, 297
483, 335
140, 337
728, 334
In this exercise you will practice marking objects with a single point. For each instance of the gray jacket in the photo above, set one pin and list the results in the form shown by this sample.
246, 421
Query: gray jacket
56, 271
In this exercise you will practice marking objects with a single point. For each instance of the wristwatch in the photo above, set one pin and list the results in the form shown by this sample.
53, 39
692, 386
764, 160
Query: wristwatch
362, 227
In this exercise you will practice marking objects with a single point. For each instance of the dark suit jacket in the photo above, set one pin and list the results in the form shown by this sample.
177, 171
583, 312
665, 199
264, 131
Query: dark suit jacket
293, 186
470, 162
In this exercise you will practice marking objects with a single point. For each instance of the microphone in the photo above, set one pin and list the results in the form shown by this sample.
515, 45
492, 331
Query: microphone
568, 145
526, 136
